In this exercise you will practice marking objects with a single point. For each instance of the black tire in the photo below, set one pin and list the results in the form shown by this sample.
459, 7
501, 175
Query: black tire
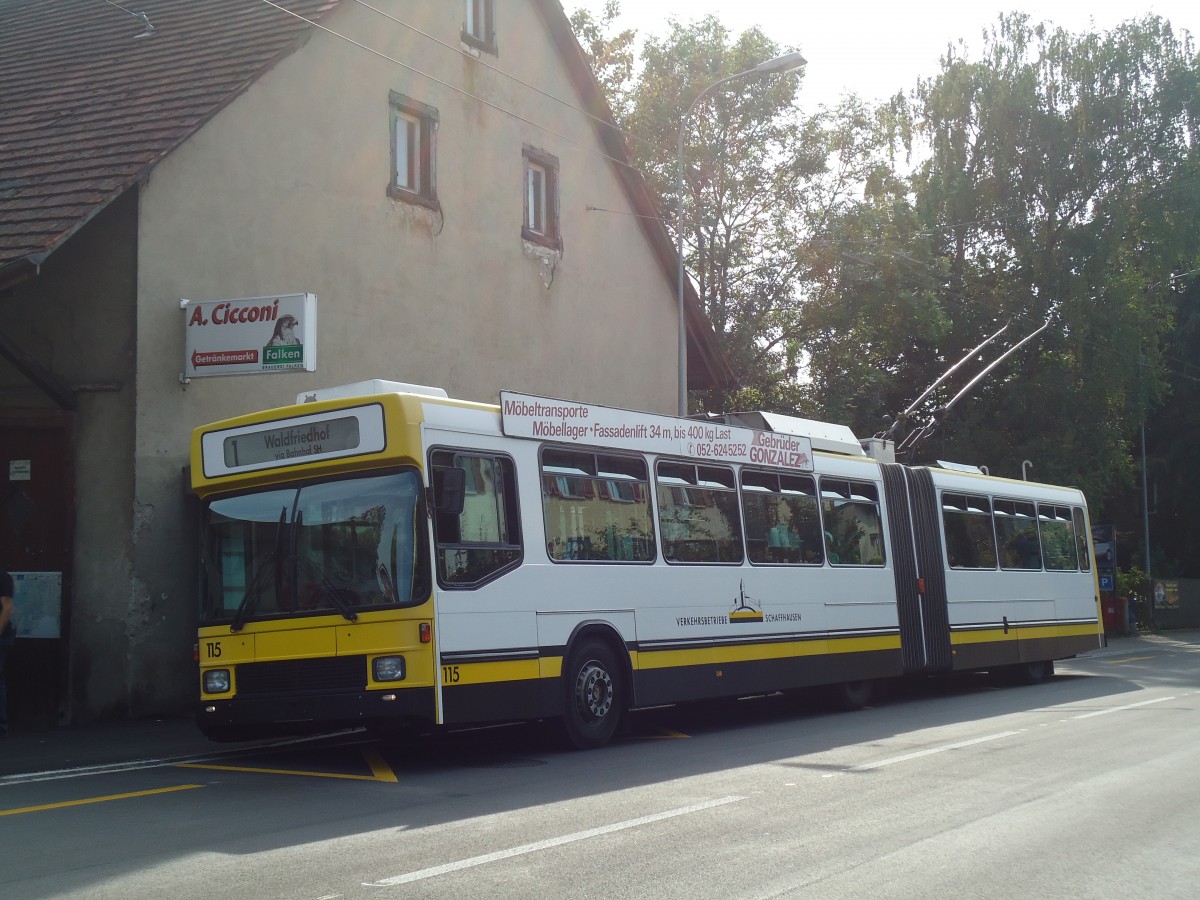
850, 695
1030, 672
594, 695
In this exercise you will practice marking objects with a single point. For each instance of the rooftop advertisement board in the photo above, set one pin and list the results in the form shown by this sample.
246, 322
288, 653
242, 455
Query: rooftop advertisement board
569, 422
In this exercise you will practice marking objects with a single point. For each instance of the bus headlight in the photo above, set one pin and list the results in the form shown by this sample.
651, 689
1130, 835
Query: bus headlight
388, 668
216, 681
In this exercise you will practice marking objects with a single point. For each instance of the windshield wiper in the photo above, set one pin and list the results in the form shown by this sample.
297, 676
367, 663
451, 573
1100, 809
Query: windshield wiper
330, 590
254, 588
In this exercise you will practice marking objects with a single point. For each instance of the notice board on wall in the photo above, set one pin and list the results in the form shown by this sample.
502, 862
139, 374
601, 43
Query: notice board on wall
37, 604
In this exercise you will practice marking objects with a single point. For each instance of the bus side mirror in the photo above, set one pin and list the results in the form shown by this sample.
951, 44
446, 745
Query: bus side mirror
449, 490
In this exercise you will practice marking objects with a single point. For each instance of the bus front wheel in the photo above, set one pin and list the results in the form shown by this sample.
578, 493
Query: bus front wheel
594, 695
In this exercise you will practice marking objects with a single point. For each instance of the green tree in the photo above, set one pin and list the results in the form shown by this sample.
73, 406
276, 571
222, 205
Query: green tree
1042, 172
609, 52
747, 150
848, 256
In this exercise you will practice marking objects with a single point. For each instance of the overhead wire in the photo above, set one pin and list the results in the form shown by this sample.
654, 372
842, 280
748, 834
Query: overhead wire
979, 303
122, 8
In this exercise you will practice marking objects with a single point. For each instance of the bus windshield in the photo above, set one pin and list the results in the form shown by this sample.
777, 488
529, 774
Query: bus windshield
333, 547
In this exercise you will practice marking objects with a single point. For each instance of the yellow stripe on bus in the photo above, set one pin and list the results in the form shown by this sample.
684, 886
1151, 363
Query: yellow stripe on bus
551, 666
456, 674
718, 654
1015, 633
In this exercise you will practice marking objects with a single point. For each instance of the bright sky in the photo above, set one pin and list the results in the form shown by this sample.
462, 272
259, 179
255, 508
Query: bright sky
878, 48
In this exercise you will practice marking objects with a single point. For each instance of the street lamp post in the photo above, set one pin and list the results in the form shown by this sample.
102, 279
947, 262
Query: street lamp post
785, 63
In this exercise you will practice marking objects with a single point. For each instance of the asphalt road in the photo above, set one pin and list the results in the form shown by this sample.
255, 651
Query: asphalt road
1082, 787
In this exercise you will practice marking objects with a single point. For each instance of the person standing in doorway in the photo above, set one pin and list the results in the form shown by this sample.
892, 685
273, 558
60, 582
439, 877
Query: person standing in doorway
8, 636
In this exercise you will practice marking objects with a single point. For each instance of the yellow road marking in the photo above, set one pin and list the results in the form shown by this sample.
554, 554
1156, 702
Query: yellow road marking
265, 771
380, 768
66, 803
1117, 662
666, 735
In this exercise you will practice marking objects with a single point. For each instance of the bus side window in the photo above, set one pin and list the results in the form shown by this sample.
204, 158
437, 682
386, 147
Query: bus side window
698, 513
967, 523
853, 522
446, 524
1059, 550
782, 522
596, 507
485, 538
1016, 534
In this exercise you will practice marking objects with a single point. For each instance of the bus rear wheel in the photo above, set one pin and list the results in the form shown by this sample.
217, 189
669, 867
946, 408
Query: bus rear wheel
1030, 672
594, 695
850, 695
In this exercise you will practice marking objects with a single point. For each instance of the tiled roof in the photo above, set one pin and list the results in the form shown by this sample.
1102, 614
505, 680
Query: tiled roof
87, 108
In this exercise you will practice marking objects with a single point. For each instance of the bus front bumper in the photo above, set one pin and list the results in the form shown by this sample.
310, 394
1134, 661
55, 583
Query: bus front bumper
243, 718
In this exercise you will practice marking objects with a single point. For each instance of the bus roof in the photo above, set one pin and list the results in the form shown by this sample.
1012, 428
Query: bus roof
366, 388
823, 435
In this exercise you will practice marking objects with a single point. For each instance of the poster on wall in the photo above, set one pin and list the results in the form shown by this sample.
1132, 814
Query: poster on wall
1166, 595
249, 335
37, 604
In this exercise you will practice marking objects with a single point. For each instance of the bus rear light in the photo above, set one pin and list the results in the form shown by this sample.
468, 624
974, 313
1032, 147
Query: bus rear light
426, 633
388, 698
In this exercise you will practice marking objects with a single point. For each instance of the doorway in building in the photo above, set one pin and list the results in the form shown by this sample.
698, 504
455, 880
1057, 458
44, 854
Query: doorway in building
36, 517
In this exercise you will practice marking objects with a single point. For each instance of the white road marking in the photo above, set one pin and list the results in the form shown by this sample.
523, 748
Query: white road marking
866, 767
461, 864
1102, 712
164, 761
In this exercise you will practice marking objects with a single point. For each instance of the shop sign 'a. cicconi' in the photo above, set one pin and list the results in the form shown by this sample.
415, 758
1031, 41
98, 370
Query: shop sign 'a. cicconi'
249, 335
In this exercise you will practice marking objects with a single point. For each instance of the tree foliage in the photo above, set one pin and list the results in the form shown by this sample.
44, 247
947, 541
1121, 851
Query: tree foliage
849, 256
610, 52
1048, 159
748, 158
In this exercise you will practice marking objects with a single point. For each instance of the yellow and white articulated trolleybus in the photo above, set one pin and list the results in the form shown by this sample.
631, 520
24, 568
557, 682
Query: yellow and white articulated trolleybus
380, 554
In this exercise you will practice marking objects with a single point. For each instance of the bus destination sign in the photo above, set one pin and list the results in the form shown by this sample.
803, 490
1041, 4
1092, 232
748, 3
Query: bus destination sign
569, 422
293, 441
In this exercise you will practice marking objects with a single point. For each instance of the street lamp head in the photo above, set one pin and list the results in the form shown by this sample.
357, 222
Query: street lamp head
784, 63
